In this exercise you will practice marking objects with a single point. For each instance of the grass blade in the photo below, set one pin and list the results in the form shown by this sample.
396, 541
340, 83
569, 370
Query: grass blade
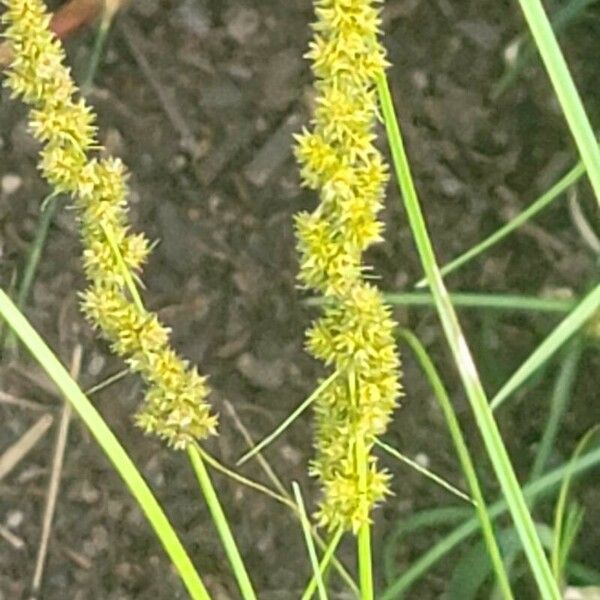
558, 406
487, 426
464, 457
542, 202
565, 89
507, 302
561, 504
565, 329
109, 444
564, 16
535, 489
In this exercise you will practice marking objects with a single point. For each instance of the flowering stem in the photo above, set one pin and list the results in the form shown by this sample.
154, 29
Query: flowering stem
365, 563
221, 523
195, 456
365, 566
129, 282
310, 546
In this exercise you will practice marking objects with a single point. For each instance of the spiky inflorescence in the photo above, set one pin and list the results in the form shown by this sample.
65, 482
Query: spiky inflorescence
175, 406
355, 335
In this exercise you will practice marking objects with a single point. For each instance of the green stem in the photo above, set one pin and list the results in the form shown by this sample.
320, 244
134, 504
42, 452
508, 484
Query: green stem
221, 523
310, 546
99, 42
49, 208
129, 282
464, 456
463, 359
365, 566
565, 89
327, 558
365, 561
109, 444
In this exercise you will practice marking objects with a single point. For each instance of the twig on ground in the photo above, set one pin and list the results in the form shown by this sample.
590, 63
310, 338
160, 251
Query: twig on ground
79, 559
14, 454
54, 483
14, 540
6, 398
133, 41
581, 223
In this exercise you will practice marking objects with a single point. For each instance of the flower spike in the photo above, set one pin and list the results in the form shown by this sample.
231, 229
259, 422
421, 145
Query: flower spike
338, 158
175, 406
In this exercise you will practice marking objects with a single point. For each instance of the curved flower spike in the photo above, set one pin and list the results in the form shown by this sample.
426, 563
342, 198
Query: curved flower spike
175, 406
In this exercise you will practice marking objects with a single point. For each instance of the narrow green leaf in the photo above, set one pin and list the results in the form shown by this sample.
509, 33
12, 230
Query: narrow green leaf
565, 329
538, 488
486, 423
565, 89
531, 211
109, 444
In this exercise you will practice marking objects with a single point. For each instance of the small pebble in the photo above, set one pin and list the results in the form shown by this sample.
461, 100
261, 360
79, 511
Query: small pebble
10, 184
265, 374
96, 365
14, 519
241, 23
422, 460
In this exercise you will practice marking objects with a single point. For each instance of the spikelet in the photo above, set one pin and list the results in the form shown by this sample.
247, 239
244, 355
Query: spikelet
175, 406
355, 335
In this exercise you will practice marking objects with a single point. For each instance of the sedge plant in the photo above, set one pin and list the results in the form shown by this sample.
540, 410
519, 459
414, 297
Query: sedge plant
73, 162
355, 335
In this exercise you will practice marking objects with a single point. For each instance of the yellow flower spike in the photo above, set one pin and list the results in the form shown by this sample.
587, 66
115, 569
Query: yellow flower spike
175, 407
355, 334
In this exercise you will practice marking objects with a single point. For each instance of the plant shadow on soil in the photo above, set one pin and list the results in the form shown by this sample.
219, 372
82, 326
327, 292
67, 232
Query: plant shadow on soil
214, 180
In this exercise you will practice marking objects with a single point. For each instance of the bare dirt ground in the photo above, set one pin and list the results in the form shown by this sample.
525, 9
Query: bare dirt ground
200, 97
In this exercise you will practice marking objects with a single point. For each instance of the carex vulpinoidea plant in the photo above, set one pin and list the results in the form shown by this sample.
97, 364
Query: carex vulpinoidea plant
338, 157
73, 162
